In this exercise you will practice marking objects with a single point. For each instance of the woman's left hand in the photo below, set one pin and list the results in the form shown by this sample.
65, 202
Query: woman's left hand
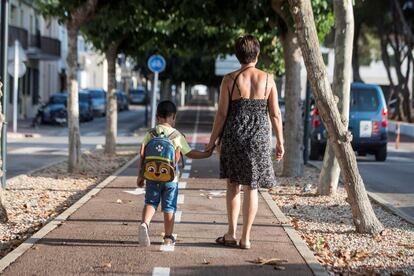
210, 146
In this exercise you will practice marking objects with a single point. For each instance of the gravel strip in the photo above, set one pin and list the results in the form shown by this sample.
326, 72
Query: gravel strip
33, 200
325, 224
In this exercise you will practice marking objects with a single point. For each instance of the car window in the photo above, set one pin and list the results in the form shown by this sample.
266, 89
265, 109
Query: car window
364, 100
58, 100
96, 93
136, 91
83, 97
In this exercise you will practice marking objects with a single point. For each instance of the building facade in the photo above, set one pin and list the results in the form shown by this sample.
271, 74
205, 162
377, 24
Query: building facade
44, 42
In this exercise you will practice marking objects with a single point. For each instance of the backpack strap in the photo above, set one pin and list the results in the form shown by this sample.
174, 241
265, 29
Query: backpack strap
172, 136
153, 133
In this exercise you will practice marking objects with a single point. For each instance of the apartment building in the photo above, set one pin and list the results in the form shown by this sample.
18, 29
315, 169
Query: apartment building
44, 41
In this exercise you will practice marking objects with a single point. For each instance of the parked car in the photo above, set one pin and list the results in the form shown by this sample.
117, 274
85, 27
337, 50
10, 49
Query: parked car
137, 96
122, 100
85, 106
368, 122
98, 101
52, 112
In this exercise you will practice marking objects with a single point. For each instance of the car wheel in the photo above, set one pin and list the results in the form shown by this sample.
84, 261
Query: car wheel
381, 154
37, 121
314, 151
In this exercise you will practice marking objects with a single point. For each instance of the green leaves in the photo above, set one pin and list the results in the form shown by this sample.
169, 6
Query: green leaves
189, 33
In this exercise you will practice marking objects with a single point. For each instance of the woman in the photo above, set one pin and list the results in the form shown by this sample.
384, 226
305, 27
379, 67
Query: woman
248, 97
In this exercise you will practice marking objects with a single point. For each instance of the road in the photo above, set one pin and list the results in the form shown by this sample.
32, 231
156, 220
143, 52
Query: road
26, 154
392, 180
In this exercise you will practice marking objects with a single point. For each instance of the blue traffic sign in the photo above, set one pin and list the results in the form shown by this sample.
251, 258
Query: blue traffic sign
156, 63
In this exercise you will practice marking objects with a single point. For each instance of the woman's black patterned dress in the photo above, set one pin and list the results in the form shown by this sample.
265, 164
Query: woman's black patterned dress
246, 153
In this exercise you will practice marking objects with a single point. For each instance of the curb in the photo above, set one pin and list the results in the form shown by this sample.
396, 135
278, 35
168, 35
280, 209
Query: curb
22, 135
379, 200
303, 249
57, 221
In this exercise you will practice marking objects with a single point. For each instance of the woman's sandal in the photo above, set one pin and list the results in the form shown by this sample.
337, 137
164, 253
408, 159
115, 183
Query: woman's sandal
244, 246
222, 241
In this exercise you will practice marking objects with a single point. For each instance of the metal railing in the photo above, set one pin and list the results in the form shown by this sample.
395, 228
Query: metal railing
20, 34
47, 45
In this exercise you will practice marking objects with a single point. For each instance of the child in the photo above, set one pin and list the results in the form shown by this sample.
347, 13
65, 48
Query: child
166, 192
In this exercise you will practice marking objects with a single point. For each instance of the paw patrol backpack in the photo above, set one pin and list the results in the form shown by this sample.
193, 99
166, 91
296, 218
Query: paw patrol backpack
160, 157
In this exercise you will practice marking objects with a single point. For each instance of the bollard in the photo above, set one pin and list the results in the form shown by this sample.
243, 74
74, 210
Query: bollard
397, 138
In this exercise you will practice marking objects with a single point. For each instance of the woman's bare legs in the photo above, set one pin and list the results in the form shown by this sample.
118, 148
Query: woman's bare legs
233, 209
250, 202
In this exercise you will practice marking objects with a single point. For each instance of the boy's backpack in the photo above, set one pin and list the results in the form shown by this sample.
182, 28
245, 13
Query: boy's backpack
160, 157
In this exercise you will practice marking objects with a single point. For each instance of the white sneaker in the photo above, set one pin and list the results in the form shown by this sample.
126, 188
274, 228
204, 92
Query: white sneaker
143, 237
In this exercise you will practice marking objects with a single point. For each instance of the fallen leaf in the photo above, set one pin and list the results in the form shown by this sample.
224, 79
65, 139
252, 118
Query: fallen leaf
206, 262
107, 264
119, 201
271, 261
406, 245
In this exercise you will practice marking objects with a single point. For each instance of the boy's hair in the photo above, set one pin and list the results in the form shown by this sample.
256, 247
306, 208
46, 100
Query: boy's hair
165, 109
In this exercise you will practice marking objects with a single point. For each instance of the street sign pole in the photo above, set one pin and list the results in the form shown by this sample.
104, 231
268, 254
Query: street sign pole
154, 99
15, 84
156, 64
4, 35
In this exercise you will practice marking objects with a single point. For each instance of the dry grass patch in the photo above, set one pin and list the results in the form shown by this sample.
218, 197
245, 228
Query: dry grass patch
325, 224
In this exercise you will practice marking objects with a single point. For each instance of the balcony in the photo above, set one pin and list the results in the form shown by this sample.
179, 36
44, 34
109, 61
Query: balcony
43, 48
20, 34
37, 47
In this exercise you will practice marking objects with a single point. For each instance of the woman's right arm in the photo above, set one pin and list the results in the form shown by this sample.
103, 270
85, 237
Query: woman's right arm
221, 114
276, 119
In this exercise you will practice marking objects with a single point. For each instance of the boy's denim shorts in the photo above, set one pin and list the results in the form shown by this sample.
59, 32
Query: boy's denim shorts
166, 192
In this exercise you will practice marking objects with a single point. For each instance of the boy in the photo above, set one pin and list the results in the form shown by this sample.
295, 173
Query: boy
166, 192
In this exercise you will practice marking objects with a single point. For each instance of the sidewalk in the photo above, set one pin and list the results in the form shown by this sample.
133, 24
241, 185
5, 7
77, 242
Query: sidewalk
101, 237
405, 128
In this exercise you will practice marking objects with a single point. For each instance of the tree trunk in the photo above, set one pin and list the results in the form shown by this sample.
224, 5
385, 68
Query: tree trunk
355, 54
3, 212
165, 90
73, 101
78, 18
363, 215
293, 159
111, 106
344, 32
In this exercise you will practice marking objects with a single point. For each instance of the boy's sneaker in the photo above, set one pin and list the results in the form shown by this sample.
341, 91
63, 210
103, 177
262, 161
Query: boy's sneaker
169, 240
143, 237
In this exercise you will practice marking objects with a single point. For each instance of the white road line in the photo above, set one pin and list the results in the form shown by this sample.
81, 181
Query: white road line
189, 161
187, 167
177, 218
161, 271
137, 191
180, 199
182, 185
185, 175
